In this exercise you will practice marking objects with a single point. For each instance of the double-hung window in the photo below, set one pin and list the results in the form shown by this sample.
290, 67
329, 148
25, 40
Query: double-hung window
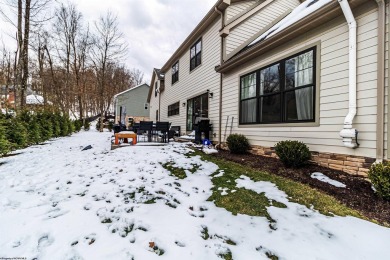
174, 109
283, 92
175, 72
196, 55
155, 89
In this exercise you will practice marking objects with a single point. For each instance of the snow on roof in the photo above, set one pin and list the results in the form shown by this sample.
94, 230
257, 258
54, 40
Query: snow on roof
297, 14
34, 100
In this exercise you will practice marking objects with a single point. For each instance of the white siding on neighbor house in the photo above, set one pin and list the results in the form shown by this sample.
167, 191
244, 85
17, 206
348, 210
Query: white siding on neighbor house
250, 28
196, 82
153, 104
333, 37
237, 8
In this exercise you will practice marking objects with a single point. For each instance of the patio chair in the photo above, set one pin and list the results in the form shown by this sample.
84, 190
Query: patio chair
134, 128
145, 127
174, 131
162, 128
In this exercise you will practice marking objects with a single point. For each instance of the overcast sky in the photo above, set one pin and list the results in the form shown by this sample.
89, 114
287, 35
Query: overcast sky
154, 29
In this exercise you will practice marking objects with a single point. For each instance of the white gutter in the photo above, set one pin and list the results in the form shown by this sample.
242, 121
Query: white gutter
349, 134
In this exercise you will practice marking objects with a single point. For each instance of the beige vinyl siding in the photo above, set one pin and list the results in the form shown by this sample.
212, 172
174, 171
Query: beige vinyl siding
236, 9
333, 89
196, 82
153, 105
254, 24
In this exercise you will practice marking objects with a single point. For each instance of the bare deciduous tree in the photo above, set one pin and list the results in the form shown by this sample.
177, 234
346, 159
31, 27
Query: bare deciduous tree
108, 47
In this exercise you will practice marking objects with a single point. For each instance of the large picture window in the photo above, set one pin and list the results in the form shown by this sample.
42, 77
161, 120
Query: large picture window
174, 109
175, 72
196, 55
280, 93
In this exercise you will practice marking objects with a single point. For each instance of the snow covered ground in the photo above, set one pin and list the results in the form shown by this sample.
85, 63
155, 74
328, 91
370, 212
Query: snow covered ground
58, 202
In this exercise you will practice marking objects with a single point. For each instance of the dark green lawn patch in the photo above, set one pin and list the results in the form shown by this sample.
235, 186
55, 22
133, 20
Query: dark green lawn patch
227, 255
251, 203
106, 221
128, 230
194, 168
150, 201
175, 171
205, 233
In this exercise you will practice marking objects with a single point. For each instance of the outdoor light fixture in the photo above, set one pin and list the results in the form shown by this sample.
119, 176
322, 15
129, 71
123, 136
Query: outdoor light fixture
211, 94
184, 104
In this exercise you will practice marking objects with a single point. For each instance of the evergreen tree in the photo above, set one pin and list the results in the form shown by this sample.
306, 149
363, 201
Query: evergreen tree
55, 119
64, 126
16, 133
5, 145
34, 132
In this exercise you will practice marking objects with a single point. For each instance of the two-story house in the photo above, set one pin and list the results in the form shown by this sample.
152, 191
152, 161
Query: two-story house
314, 71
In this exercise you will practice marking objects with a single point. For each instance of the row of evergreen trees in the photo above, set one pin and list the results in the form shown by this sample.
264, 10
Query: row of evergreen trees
34, 127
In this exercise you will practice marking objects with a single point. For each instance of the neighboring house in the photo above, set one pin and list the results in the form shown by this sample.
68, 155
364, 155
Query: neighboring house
132, 104
287, 70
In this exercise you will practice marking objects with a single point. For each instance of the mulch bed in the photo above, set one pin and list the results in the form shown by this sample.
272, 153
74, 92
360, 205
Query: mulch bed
357, 195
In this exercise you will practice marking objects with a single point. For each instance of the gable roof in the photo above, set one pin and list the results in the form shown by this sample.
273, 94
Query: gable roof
307, 16
209, 18
130, 89
160, 76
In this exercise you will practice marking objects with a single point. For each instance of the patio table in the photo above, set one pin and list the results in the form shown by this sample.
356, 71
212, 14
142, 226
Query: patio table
125, 135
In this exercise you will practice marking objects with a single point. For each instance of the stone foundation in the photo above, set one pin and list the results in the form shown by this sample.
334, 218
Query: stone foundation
354, 165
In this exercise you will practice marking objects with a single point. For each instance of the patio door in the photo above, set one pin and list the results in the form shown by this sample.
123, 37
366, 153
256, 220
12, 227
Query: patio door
197, 107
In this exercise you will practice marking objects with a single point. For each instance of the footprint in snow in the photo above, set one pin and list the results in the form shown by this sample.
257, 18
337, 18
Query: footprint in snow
180, 244
44, 241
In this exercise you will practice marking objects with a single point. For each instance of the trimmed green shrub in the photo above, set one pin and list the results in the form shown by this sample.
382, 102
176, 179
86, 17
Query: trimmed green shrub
87, 125
71, 127
5, 145
64, 126
293, 153
78, 124
34, 133
55, 119
16, 133
237, 143
379, 175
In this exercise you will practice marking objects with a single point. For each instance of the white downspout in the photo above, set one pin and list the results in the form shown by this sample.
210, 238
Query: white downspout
349, 134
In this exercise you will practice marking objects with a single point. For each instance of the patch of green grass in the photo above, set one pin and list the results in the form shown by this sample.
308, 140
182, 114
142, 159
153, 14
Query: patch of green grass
227, 255
194, 168
128, 230
150, 201
251, 203
106, 221
271, 256
205, 233
175, 171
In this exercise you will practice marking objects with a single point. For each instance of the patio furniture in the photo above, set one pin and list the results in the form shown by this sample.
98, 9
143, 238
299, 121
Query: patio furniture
145, 127
125, 135
202, 126
162, 129
119, 128
174, 131
134, 128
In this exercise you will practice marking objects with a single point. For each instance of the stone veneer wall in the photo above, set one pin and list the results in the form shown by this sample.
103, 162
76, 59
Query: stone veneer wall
354, 165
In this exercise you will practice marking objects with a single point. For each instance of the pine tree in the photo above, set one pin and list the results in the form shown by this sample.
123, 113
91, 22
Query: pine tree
5, 146
16, 133
64, 126
34, 132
